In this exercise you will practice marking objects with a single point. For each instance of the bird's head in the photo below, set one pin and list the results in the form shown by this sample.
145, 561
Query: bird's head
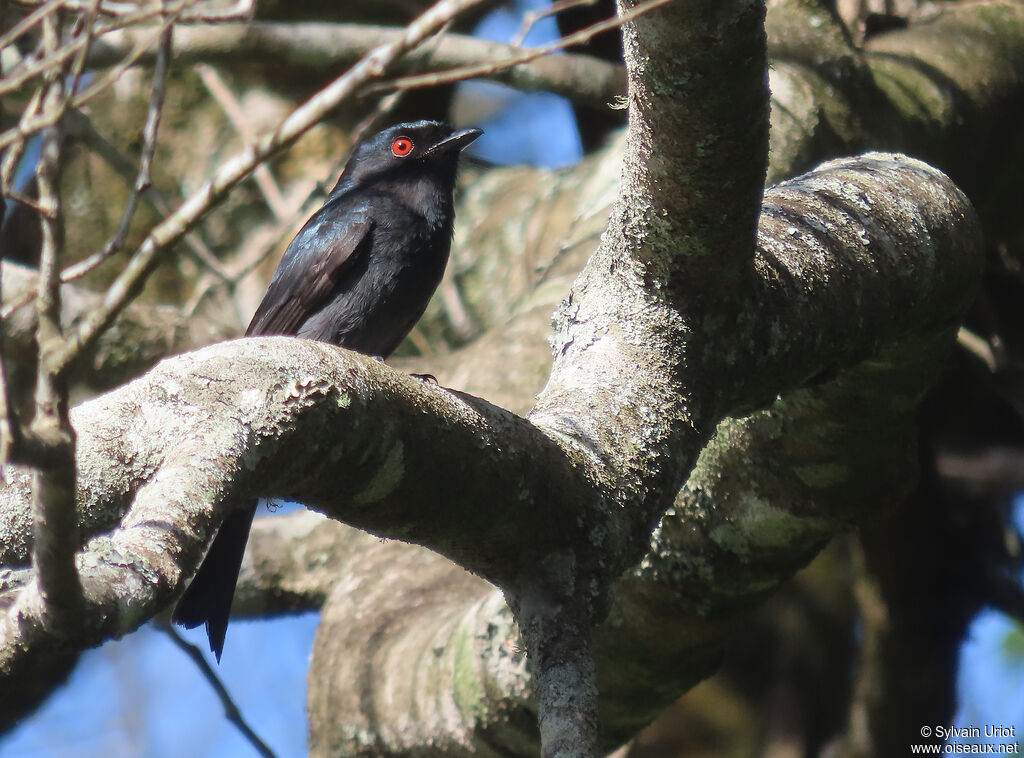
411, 148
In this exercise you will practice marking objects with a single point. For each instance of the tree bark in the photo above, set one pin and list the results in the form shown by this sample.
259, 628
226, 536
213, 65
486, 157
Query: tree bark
861, 274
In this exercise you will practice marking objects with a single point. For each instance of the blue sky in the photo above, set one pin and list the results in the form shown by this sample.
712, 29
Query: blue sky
132, 697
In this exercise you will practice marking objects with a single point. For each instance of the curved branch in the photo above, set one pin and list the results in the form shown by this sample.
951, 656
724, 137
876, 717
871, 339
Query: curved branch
811, 277
413, 461
175, 478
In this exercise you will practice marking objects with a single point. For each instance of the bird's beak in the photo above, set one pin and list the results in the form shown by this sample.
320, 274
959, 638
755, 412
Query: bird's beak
456, 141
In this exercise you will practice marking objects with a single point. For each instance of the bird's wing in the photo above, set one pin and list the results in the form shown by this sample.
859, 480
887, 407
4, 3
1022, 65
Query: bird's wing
321, 252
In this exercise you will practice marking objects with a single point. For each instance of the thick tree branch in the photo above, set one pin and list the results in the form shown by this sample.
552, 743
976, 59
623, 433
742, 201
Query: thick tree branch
819, 284
946, 90
404, 449
380, 474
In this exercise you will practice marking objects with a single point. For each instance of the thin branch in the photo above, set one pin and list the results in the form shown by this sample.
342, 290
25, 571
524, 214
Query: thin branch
28, 202
141, 185
455, 309
231, 711
384, 107
80, 126
317, 46
301, 120
142, 180
59, 58
461, 73
12, 156
233, 110
152, 331
50, 332
77, 100
128, 12
421, 343
88, 23
48, 296
530, 18
243, 10
29, 21
9, 431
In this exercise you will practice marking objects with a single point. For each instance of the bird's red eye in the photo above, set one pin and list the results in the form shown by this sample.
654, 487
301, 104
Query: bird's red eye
401, 147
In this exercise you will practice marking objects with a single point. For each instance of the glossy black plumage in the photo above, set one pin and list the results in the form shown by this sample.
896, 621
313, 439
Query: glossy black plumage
359, 274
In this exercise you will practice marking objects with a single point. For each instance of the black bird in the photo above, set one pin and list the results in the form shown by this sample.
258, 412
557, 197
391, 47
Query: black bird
359, 275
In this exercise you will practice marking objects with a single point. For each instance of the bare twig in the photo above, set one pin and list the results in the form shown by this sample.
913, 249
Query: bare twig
996, 469
28, 202
231, 711
48, 296
59, 57
388, 103
455, 308
128, 12
461, 73
142, 180
581, 78
141, 185
29, 21
171, 229
82, 128
233, 110
243, 10
9, 431
45, 119
384, 107
88, 26
12, 156
49, 333
421, 343
530, 18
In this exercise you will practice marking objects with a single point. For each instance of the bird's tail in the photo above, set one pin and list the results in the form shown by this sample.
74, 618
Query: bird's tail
208, 598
